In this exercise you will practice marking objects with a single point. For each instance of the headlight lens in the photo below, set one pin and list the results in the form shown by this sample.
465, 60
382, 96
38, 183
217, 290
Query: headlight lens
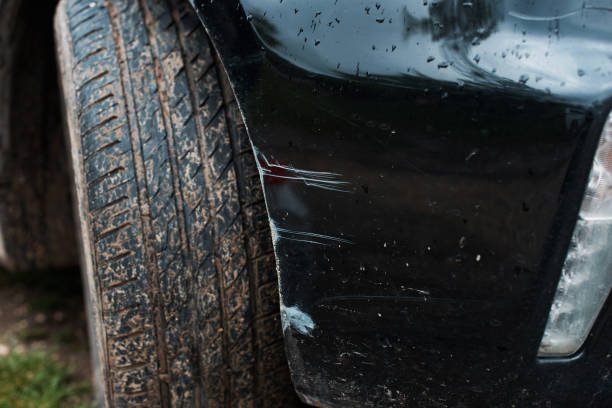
586, 278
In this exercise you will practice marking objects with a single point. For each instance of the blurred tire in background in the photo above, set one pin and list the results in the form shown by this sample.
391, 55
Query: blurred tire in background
36, 224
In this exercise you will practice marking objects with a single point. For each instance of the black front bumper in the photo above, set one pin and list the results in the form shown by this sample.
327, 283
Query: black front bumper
421, 219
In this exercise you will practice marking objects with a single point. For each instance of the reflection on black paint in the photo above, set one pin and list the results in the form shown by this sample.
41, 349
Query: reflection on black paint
501, 43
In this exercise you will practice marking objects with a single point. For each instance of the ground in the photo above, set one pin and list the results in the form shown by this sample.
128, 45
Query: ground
44, 356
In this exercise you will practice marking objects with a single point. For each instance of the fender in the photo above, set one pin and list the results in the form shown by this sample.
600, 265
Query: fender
423, 165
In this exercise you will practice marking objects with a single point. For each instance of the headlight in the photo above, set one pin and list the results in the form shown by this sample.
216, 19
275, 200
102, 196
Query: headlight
586, 277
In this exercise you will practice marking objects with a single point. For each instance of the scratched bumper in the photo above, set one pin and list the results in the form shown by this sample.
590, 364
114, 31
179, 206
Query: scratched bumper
421, 216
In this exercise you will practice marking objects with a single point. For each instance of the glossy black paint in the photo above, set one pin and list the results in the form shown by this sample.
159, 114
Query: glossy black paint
423, 164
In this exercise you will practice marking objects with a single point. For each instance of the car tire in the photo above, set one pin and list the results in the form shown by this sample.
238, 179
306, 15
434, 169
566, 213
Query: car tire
176, 250
36, 223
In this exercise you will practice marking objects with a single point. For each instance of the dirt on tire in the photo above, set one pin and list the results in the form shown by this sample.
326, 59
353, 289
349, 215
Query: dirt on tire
177, 254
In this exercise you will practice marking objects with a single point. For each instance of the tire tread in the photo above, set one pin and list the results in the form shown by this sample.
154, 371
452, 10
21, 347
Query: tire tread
182, 252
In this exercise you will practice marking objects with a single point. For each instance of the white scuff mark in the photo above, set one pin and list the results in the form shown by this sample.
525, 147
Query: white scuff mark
310, 237
319, 179
420, 291
274, 233
279, 233
292, 316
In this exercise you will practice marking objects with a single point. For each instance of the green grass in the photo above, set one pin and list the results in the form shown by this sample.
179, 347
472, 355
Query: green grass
35, 380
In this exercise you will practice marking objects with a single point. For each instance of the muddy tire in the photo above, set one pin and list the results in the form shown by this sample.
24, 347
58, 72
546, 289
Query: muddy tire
177, 255
36, 223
